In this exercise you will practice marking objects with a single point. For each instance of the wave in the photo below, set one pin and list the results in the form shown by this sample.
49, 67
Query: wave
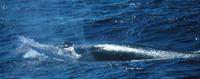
93, 52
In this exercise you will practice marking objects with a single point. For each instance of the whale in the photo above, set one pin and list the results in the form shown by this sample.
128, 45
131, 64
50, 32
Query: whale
97, 52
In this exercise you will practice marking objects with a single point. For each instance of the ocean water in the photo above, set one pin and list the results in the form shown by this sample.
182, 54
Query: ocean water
99, 39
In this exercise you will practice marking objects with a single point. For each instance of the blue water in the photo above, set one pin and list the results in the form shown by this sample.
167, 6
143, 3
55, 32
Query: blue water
99, 39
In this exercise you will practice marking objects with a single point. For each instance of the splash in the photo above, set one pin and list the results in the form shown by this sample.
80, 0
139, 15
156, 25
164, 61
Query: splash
34, 50
34, 54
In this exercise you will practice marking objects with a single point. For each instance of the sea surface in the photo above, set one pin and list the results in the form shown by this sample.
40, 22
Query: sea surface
99, 39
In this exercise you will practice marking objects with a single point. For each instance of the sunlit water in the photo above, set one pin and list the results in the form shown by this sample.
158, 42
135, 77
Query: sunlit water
99, 39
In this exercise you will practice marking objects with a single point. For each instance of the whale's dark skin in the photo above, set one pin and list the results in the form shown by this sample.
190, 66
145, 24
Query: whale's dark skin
113, 52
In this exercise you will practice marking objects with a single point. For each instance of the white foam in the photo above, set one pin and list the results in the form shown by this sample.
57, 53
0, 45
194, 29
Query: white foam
31, 42
33, 49
34, 54
73, 53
